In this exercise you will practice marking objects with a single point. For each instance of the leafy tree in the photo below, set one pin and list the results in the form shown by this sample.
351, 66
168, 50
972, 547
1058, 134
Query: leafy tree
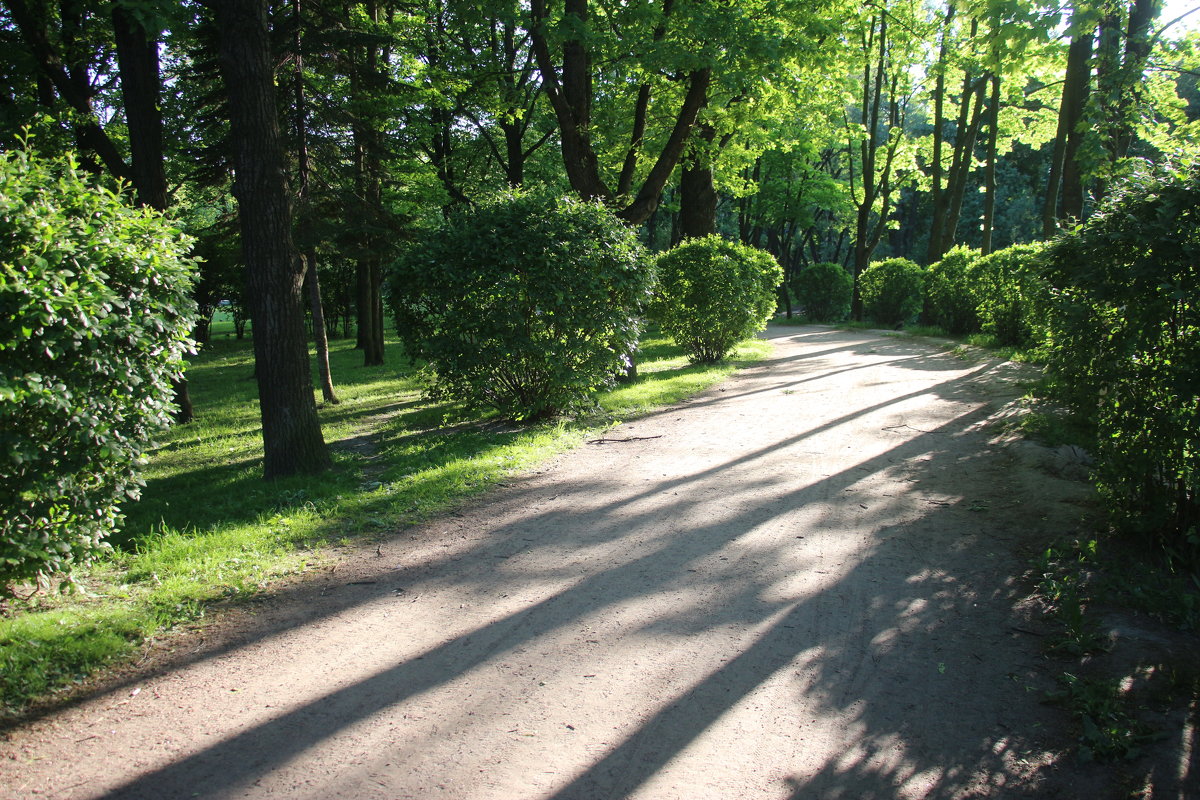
526, 304
714, 293
94, 324
662, 41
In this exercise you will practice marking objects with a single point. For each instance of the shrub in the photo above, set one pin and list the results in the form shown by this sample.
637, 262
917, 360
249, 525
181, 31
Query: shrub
1124, 349
1013, 295
951, 295
714, 293
893, 291
824, 291
525, 304
94, 318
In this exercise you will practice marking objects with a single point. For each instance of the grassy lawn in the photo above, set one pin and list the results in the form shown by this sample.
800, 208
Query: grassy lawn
209, 529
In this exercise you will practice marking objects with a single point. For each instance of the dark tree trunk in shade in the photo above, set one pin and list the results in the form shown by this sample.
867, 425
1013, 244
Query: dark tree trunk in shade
320, 335
368, 172
137, 62
1064, 171
292, 440
697, 194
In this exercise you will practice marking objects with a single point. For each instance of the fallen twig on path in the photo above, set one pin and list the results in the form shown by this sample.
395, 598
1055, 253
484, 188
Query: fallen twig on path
629, 439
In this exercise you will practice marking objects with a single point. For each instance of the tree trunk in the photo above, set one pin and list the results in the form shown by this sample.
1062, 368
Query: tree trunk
989, 174
939, 118
292, 440
697, 194
1064, 171
569, 90
964, 157
137, 62
369, 182
871, 185
320, 335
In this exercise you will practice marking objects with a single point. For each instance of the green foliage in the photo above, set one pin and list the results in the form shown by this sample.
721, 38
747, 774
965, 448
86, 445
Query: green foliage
714, 293
893, 291
526, 304
951, 293
1108, 731
1012, 295
824, 290
94, 318
1124, 350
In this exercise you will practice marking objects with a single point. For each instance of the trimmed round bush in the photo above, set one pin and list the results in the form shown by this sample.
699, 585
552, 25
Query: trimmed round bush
1012, 295
824, 291
893, 291
94, 322
951, 293
525, 304
714, 293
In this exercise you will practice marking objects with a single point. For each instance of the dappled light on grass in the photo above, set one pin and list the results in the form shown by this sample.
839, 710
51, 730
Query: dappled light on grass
209, 529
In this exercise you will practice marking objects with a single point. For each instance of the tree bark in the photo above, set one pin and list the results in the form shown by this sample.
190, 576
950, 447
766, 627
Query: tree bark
368, 182
697, 194
292, 440
1064, 171
964, 156
989, 174
141, 84
320, 335
569, 90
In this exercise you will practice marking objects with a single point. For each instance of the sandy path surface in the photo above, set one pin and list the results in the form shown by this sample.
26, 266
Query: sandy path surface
800, 584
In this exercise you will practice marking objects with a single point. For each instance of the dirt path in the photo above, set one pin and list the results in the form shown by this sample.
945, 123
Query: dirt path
804, 587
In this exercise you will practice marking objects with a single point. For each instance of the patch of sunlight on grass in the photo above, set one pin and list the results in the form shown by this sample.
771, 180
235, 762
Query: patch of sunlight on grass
209, 529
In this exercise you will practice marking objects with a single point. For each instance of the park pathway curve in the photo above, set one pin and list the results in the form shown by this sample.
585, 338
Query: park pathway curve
803, 583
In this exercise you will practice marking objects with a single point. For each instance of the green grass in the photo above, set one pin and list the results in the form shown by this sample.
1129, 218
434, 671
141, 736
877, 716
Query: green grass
208, 529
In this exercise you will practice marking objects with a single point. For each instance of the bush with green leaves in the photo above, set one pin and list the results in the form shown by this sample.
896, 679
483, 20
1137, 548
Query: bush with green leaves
893, 291
94, 322
1012, 295
714, 293
824, 291
526, 304
951, 294
1124, 349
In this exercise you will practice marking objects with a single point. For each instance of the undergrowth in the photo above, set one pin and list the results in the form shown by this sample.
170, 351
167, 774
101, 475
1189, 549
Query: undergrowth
1075, 580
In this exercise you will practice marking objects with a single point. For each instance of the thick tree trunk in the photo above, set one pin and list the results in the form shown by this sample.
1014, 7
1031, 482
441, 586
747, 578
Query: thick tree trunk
292, 440
1064, 171
369, 183
569, 90
137, 62
964, 156
697, 194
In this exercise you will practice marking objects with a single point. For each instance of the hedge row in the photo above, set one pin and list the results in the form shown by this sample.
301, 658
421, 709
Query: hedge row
1004, 294
1113, 306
